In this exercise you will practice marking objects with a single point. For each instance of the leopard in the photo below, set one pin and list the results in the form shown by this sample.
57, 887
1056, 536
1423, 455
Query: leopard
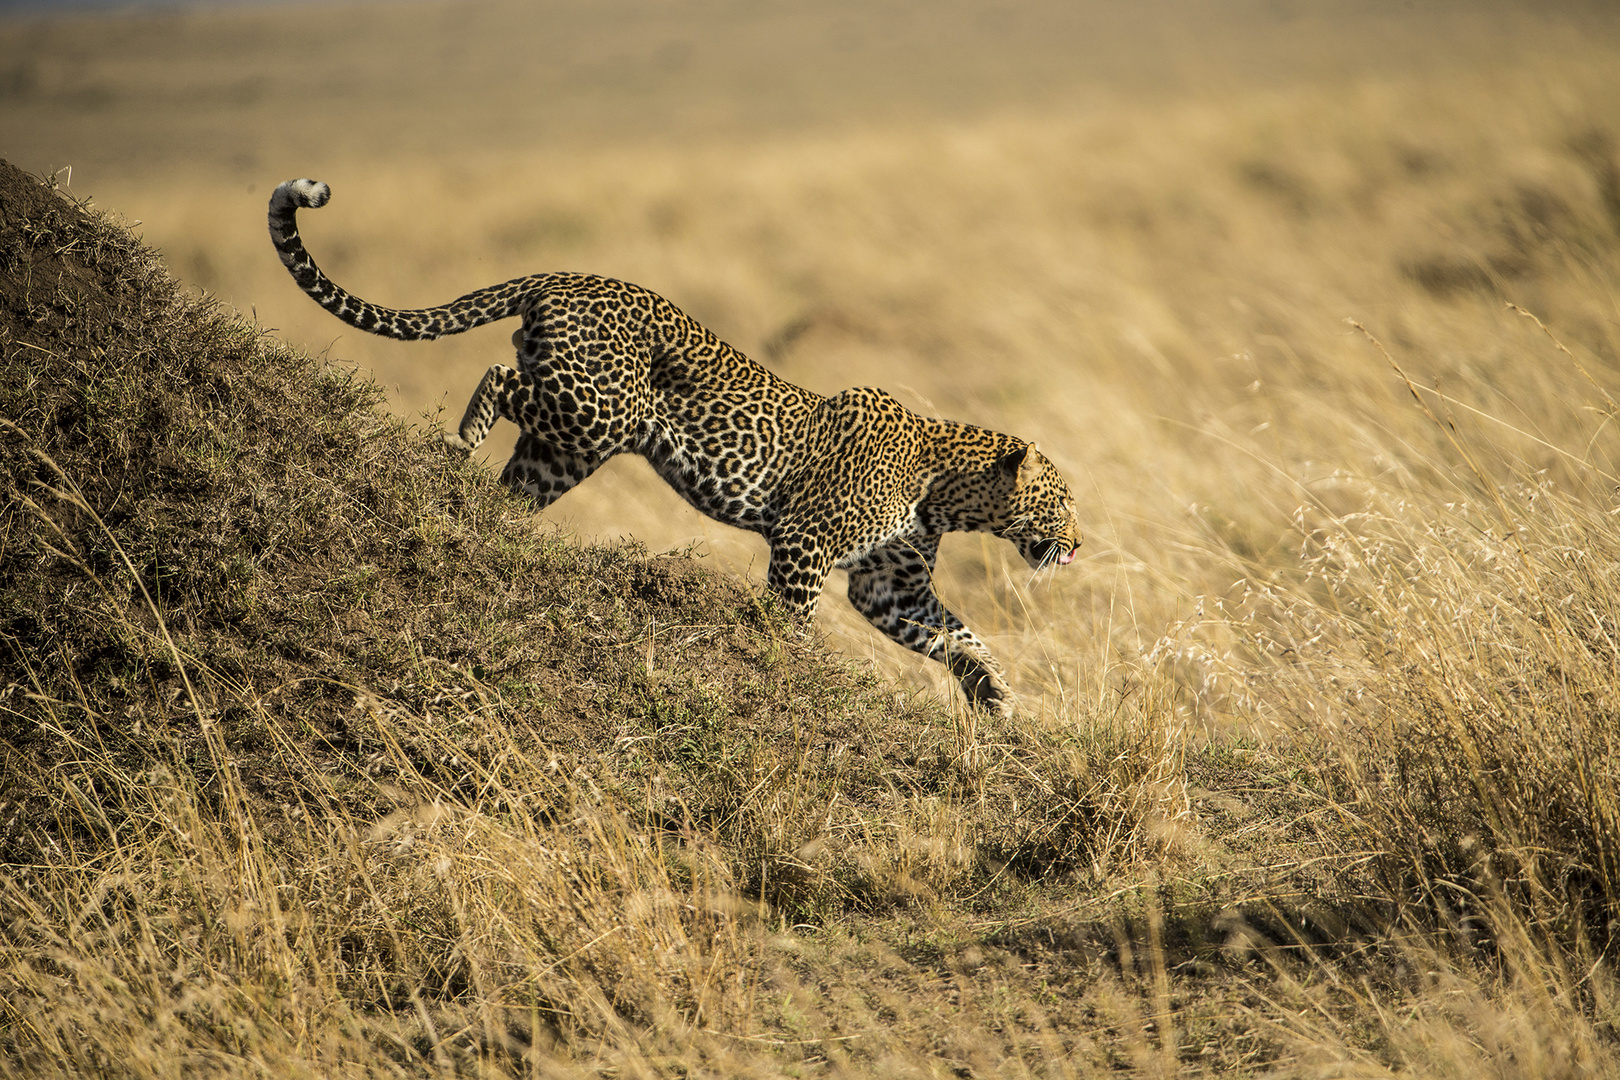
853, 481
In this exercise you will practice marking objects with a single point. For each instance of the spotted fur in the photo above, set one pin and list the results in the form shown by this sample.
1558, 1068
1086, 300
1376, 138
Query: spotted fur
854, 481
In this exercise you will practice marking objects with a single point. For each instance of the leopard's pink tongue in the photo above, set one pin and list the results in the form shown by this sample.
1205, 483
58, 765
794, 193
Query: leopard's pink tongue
1068, 556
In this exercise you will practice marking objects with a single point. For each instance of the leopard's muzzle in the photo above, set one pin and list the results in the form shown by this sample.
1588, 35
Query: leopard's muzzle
1056, 551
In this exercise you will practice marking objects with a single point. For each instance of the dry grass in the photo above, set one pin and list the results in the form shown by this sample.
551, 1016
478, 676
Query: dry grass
1318, 771
317, 754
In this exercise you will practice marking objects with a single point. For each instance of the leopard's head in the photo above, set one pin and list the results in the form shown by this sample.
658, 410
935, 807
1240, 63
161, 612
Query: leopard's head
1040, 515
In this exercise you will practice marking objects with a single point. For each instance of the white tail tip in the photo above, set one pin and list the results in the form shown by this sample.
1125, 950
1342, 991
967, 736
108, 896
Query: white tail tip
306, 193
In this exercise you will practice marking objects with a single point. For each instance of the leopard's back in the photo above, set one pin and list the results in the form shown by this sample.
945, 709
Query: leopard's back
719, 427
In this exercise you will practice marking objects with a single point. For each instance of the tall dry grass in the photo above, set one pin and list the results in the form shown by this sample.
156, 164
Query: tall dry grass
1395, 580
189, 935
469, 902
1453, 646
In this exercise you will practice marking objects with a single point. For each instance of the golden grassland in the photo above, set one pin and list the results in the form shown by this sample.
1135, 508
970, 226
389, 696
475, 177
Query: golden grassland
1346, 617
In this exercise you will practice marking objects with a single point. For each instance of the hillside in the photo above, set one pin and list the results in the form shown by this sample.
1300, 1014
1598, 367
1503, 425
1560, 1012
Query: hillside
220, 529
288, 693
322, 757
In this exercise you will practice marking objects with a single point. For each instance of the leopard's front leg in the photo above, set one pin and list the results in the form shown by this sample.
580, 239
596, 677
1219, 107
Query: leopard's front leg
893, 587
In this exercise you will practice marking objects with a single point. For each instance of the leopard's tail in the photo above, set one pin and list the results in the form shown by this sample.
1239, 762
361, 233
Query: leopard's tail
474, 309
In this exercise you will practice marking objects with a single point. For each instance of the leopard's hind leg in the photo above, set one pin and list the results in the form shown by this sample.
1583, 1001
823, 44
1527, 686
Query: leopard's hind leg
540, 466
893, 587
543, 472
502, 392
569, 402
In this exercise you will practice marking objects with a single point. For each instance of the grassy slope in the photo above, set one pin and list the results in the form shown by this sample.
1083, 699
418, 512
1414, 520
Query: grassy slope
320, 757
557, 853
289, 696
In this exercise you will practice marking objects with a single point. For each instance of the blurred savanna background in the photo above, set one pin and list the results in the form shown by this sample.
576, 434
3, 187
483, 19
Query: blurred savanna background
1316, 304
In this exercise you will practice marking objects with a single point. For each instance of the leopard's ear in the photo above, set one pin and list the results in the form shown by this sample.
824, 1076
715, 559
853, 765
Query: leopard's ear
1030, 470
1023, 464
1012, 462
